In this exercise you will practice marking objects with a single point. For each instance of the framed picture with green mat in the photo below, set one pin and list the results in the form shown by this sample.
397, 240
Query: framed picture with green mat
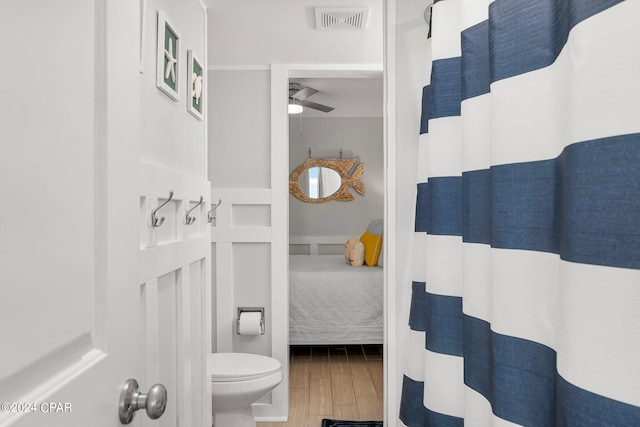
168, 57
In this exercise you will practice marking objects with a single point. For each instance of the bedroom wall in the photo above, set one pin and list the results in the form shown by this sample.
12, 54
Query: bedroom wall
360, 138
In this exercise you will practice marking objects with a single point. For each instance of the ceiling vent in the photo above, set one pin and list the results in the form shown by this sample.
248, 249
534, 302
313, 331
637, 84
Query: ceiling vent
341, 18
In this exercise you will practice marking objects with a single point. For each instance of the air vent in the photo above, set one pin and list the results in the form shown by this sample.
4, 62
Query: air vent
341, 18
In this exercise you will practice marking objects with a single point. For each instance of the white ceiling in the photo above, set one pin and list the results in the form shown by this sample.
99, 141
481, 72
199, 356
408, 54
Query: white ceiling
351, 97
257, 32
246, 34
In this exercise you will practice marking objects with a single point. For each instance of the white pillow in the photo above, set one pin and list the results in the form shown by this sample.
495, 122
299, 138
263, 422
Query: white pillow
354, 252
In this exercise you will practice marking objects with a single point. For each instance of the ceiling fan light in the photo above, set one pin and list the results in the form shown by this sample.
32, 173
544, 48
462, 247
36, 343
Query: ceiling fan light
294, 108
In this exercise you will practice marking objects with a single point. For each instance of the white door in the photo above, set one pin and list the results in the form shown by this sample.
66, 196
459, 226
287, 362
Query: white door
73, 305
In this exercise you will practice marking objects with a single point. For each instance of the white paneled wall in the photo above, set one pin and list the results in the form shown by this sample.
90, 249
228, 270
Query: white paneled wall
243, 239
238, 273
248, 169
318, 245
175, 291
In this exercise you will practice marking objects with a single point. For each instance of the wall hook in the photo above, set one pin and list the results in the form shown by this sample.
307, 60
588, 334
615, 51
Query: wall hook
210, 214
188, 219
427, 18
155, 221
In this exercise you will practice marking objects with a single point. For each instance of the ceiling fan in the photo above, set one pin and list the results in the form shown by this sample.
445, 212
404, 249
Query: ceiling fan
299, 94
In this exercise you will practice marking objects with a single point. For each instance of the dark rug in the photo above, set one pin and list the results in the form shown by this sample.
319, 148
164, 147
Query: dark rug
338, 423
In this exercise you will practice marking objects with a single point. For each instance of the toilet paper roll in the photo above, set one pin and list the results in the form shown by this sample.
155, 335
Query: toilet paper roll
250, 323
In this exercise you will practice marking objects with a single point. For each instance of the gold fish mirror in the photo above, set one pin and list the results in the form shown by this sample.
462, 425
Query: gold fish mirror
322, 180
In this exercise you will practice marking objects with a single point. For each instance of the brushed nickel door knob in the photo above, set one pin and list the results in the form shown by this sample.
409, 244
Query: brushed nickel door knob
154, 402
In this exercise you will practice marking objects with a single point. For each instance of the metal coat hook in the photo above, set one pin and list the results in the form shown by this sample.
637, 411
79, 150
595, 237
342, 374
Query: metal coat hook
188, 219
210, 215
155, 221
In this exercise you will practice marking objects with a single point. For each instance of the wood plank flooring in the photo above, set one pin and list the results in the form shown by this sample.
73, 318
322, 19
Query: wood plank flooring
339, 382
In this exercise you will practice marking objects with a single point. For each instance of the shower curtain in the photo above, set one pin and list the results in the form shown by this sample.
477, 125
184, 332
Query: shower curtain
525, 306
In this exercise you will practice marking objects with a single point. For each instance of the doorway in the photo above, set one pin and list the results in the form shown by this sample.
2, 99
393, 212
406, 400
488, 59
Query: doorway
354, 129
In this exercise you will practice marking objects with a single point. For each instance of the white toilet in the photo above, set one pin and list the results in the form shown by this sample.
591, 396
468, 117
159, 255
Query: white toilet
238, 380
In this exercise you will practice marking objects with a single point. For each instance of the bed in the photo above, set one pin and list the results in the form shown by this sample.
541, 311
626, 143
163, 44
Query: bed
331, 302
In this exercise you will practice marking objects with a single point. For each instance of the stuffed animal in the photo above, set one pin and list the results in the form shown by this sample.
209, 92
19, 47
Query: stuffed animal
354, 252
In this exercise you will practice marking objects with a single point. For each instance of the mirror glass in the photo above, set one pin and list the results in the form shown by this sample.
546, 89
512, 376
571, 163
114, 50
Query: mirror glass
319, 182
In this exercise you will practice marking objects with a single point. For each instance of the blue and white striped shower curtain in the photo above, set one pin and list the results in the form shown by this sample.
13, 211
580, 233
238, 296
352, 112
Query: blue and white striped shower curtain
525, 305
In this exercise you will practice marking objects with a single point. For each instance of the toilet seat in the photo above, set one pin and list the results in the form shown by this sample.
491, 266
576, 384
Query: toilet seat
227, 367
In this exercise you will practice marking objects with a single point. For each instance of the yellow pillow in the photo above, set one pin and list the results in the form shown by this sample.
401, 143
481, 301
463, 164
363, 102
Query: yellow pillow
372, 244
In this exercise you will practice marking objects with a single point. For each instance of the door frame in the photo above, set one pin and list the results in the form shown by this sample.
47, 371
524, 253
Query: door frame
280, 75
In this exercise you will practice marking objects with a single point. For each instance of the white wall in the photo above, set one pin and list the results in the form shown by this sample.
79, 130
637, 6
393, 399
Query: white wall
239, 158
360, 138
239, 128
171, 136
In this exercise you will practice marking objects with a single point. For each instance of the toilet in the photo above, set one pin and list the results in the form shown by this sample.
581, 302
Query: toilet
238, 380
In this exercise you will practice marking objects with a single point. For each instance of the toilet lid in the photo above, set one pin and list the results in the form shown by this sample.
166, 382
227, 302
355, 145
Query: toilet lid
241, 366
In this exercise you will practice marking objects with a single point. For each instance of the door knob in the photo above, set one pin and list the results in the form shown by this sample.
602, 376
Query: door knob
131, 400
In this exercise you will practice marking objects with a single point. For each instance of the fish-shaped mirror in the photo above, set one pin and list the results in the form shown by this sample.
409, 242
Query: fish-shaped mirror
322, 180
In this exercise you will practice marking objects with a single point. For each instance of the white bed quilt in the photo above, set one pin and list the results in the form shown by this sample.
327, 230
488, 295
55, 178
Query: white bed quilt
331, 302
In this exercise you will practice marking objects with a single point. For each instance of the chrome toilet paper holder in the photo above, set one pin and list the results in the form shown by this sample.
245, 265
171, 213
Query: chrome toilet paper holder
250, 309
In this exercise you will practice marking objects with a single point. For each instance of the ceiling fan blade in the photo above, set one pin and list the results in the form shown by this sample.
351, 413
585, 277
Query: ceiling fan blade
316, 106
304, 93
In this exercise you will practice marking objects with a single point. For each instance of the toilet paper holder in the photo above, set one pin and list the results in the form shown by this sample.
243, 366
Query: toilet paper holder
250, 309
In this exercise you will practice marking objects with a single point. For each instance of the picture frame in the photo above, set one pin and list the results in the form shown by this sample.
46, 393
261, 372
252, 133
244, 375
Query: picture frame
168, 57
195, 85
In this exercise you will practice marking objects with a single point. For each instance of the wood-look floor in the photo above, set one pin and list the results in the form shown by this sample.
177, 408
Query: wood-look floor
339, 382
